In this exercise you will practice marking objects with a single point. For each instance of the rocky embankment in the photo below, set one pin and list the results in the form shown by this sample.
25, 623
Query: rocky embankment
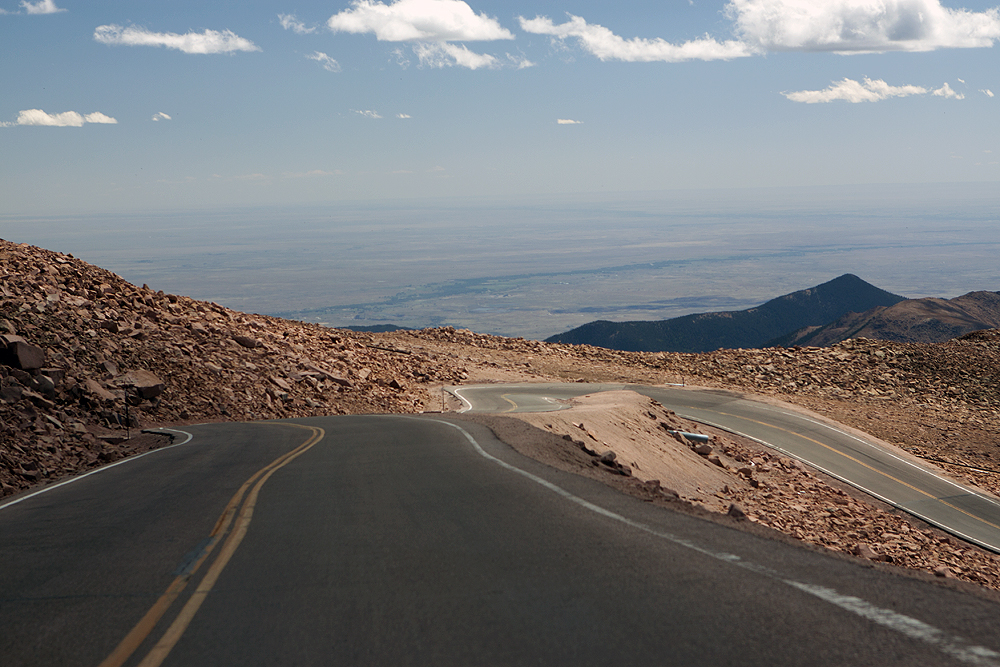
75, 338
83, 353
940, 401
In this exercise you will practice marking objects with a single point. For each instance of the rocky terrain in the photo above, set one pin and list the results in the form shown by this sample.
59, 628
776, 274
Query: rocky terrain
84, 353
927, 320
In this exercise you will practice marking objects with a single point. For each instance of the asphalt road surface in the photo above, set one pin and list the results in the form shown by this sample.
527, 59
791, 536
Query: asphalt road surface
919, 490
392, 540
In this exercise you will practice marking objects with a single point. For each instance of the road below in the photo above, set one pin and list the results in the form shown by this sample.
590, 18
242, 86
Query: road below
376, 540
889, 476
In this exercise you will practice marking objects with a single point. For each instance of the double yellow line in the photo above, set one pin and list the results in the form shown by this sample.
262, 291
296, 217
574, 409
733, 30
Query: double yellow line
236, 517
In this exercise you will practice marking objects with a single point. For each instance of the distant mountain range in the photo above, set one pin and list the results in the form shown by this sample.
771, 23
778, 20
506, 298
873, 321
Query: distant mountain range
845, 307
927, 320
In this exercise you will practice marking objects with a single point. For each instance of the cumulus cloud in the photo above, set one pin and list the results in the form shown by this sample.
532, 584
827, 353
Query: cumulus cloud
98, 117
328, 63
987, 92
41, 7
946, 92
519, 61
442, 54
606, 45
567, 121
209, 41
65, 119
403, 115
858, 26
431, 25
867, 90
159, 115
418, 20
367, 113
289, 22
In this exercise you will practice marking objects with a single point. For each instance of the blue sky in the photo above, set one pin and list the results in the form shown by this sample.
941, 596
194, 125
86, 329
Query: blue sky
126, 106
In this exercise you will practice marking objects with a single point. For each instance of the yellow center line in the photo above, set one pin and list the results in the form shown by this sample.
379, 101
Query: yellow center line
145, 626
513, 405
865, 465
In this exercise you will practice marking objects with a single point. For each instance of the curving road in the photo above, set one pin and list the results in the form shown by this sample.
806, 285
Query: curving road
378, 540
916, 489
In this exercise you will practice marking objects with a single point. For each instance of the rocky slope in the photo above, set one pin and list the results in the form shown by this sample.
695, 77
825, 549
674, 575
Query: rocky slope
75, 338
72, 336
912, 321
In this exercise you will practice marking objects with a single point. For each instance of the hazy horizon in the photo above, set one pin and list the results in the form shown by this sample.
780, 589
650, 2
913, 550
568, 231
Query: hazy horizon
513, 167
540, 266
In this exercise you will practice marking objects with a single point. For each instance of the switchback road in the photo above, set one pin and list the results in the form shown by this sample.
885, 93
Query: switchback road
890, 476
392, 540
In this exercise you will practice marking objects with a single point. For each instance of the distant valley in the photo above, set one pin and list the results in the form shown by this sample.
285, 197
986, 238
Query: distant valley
843, 308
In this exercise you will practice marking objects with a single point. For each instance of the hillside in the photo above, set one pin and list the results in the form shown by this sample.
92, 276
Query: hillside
927, 320
749, 328
73, 337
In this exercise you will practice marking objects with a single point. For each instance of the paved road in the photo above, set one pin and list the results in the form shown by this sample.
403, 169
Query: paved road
916, 489
378, 540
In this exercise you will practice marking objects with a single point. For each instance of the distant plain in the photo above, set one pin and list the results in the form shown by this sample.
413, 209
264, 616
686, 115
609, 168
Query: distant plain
537, 267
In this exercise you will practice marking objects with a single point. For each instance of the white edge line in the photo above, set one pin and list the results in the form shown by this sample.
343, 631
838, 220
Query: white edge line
883, 450
956, 647
457, 393
101, 469
856, 485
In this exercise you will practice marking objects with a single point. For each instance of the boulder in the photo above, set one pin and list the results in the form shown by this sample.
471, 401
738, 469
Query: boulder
94, 387
19, 353
146, 384
11, 394
246, 341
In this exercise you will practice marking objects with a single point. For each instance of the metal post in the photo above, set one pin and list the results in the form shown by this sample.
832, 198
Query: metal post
128, 435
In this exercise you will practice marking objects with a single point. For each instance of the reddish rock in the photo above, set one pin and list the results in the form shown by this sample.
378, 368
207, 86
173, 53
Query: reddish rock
246, 341
145, 383
21, 354
94, 387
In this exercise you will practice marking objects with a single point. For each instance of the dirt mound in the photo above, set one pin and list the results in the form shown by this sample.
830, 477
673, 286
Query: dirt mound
728, 475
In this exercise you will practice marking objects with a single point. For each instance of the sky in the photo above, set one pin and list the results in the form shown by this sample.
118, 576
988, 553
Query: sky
110, 106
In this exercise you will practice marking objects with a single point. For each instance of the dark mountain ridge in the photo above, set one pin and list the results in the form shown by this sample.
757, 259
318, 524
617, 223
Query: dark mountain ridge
750, 328
928, 320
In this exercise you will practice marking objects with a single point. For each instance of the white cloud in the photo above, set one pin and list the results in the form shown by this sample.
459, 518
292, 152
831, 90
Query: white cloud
946, 92
65, 119
520, 62
857, 26
289, 22
367, 113
606, 45
987, 92
867, 90
159, 115
442, 54
98, 117
403, 115
567, 121
328, 63
209, 41
41, 7
430, 25
418, 20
